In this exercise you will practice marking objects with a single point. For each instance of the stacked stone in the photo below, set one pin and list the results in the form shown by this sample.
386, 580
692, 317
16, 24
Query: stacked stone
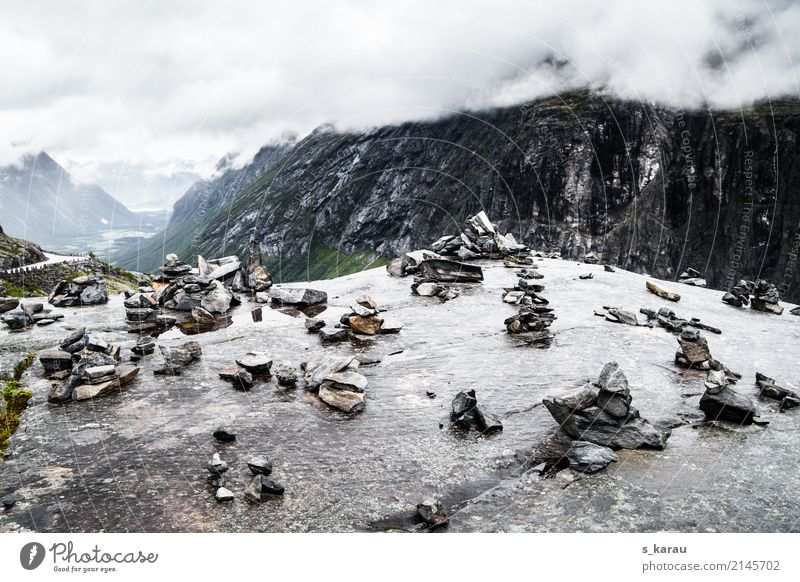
177, 357
769, 389
141, 307
85, 290
87, 367
364, 318
765, 296
601, 413
338, 381
241, 375
525, 293
466, 414
694, 353
186, 291
479, 239
531, 318
692, 277
739, 295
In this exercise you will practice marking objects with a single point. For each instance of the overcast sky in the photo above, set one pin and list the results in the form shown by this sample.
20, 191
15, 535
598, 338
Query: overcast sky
144, 97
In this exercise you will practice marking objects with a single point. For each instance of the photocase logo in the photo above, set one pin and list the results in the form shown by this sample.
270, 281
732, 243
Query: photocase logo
31, 555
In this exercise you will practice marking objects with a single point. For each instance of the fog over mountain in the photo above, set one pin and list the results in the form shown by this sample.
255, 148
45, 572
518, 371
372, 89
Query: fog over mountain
145, 99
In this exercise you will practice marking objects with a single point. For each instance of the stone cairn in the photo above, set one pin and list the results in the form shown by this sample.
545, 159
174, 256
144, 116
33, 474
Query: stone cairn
694, 353
260, 487
534, 316
185, 290
601, 414
85, 290
364, 318
84, 368
443, 263
252, 364
480, 239
761, 296
692, 277
337, 381
206, 291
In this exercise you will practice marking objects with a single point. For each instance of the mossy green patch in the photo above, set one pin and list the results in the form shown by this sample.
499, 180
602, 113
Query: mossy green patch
27, 290
16, 400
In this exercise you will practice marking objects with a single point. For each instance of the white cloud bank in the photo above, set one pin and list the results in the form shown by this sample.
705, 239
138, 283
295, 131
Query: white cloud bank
142, 97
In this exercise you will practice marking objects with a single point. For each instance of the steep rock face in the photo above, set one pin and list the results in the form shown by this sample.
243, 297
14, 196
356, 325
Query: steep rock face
15, 252
200, 206
648, 188
40, 201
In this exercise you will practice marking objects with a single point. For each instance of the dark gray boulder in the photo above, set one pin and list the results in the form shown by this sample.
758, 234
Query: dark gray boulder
240, 378
297, 295
614, 397
286, 373
261, 487
182, 355
769, 389
334, 335
445, 271
465, 413
145, 345
224, 435
255, 363
313, 324
8, 303
726, 404
432, 513
259, 465
217, 466
55, 360
586, 457
16, 320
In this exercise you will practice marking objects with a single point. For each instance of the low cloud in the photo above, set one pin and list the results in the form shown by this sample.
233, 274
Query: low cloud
145, 97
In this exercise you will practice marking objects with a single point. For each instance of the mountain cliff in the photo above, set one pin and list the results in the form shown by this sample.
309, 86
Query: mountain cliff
648, 188
17, 253
204, 203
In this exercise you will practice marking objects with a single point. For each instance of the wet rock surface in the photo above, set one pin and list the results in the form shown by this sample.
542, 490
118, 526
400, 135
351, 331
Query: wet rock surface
93, 454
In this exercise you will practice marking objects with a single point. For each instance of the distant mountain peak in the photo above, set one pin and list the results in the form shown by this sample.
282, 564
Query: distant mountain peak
41, 201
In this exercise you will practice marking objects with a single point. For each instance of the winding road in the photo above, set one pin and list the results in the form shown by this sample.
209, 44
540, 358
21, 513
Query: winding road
52, 259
